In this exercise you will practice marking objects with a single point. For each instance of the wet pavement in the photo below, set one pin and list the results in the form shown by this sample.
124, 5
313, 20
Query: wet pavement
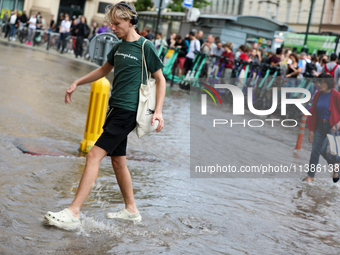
181, 215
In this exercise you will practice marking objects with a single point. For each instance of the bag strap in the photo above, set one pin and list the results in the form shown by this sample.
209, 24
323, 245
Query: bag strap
144, 63
334, 68
326, 69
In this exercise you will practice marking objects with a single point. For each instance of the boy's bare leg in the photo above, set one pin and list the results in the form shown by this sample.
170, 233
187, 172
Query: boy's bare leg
88, 179
124, 181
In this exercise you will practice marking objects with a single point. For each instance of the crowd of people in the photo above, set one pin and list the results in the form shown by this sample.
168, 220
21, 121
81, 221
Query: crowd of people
73, 30
12, 21
292, 65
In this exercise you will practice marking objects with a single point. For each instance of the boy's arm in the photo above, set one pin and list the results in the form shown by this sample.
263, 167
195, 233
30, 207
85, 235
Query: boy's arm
160, 95
91, 77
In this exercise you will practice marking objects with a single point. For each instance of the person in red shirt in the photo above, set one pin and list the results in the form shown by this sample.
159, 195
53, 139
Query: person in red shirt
228, 67
245, 55
325, 114
145, 31
276, 59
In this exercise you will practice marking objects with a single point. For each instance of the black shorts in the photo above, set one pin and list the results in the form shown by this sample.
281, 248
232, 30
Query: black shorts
118, 124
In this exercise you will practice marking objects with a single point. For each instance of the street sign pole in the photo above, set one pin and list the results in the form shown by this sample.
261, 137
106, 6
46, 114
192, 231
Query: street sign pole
158, 17
309, 18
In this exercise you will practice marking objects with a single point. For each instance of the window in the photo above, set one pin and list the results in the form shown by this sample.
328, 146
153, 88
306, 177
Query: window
213, 7
277, 9
20, 5
332, 12
8, 4
225, 6
102, 6
289, 6
268, 9
232, 6
250, 7
299, 11
259, 8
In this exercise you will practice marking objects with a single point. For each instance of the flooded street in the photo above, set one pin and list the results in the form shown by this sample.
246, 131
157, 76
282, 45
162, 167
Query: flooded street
181, 215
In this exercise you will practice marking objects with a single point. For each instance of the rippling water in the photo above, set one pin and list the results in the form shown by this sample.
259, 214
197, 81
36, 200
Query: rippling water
181, 215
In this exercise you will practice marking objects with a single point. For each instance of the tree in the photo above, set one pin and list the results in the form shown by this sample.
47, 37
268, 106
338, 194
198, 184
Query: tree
143, 5
175, 5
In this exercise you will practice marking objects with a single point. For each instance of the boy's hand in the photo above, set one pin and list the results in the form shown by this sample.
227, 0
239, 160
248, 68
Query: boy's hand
69, 91
158, 116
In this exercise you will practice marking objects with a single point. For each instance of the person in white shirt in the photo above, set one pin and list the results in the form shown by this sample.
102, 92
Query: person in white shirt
13, 23
31, 28
160, 41
216, 51
195, 45
64, 32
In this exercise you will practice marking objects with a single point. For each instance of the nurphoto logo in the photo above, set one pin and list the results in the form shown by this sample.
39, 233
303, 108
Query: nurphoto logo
239, 105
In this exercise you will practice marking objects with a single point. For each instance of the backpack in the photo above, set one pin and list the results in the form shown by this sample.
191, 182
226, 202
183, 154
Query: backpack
331, 71
310, 67
188, 44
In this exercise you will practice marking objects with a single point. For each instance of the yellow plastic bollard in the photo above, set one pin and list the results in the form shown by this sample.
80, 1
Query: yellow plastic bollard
96, 113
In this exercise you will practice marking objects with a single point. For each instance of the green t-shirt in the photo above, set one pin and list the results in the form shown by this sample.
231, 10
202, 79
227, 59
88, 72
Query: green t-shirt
126, 57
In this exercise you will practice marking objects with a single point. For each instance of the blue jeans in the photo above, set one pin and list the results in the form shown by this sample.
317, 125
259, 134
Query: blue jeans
319, 146
62, 41
13, 30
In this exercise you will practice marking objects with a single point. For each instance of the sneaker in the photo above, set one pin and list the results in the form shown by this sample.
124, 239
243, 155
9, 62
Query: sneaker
125, 215
27, 43
63, 219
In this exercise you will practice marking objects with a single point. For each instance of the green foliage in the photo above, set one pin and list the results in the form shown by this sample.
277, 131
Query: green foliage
143, 5
175, 5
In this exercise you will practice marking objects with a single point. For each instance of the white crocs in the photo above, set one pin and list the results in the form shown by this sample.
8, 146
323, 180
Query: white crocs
124, 215
63, 219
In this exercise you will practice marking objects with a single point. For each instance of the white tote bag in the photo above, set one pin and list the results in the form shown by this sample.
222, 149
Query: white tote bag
333, 146
147, 103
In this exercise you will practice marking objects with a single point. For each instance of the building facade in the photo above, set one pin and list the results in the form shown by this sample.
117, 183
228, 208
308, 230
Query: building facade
294, 13
226, 7
93, 10
330, 16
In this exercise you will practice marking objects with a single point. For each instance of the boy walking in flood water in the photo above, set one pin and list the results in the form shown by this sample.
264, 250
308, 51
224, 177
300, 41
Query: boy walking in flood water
126, 58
